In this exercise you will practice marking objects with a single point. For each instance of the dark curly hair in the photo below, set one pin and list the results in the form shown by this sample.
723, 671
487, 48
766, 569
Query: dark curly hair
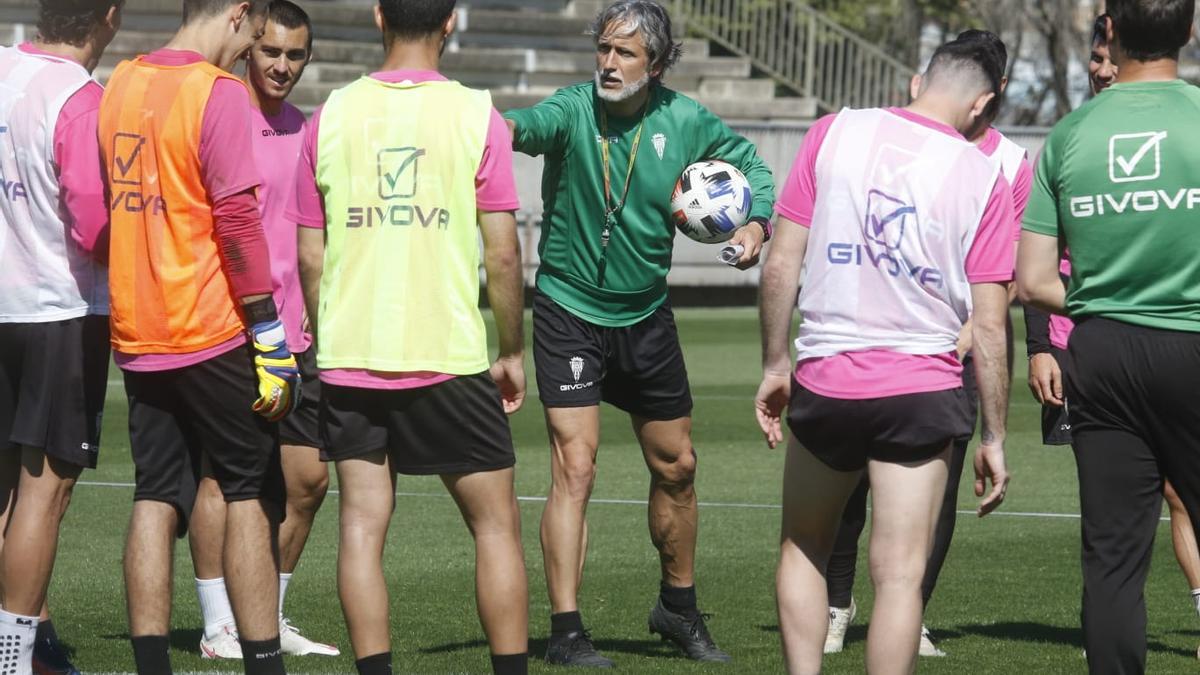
71, 21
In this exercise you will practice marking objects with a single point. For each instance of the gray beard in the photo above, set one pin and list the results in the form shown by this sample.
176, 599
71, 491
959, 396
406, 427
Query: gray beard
622, 94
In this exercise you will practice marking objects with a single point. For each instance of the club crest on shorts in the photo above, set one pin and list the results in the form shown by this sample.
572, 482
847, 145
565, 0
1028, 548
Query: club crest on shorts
576, 363
886, 219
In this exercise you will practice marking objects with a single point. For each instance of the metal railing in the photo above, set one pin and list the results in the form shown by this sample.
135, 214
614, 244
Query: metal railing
802, 49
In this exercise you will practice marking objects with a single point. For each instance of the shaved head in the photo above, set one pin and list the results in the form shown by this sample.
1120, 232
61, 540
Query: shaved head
965, 67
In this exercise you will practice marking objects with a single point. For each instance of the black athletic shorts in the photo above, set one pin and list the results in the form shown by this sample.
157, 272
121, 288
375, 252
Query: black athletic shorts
456, 426
971, 389
53, 379
176, 416
637, 368
300, 425
845, 433
1056, 422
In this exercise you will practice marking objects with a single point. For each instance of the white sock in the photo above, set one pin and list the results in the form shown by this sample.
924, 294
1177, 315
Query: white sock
284, 578
17, 635
214, 606
1196, 599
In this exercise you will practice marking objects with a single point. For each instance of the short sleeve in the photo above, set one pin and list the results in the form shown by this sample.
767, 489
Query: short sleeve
495, 185
1041, 213
224, 167
307, 207
799, 192
990, 258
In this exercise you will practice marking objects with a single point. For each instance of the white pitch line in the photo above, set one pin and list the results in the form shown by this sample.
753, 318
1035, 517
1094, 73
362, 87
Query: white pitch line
642, 502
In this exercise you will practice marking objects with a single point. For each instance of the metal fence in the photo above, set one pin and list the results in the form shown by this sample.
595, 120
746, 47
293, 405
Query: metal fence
802, 49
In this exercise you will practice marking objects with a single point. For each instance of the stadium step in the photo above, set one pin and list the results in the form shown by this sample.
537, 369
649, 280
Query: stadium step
520, 50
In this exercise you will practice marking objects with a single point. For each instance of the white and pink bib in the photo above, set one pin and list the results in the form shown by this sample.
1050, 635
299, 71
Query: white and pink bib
45, 275
898, 205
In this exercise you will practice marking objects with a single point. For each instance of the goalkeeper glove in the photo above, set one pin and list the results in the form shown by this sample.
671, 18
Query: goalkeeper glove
278, 375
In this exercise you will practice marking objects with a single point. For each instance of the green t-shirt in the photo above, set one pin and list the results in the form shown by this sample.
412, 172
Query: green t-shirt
1119, 183
566, 129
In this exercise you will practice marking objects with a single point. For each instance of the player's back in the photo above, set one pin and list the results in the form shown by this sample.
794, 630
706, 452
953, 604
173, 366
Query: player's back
169, 294
396, 163
46, 277
1126, 171
899, 200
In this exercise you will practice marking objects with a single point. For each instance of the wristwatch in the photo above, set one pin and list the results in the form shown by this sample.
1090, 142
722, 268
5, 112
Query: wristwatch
766, 227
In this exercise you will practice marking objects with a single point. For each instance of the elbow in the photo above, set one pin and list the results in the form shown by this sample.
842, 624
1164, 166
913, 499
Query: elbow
503, 260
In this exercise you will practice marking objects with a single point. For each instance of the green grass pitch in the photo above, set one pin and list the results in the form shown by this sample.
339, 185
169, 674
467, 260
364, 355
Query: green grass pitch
1008, 601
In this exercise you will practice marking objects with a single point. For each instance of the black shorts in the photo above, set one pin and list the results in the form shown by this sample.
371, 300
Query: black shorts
971, 389
1056, 420
457, 426
637, 368
845, 433
300, 425
176, 416
53, 380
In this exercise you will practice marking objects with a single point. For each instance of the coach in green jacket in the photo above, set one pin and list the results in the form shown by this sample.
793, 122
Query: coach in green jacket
603, 328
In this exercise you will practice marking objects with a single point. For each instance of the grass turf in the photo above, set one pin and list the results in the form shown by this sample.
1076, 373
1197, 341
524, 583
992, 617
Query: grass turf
1007, 601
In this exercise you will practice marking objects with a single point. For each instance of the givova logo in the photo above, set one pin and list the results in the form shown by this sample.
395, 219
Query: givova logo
886, 218
398, 179
884, 225
398, 172
126, 170
576, 364
1135, 158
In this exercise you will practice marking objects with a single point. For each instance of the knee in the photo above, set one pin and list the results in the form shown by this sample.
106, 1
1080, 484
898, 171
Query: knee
677, 473
575, 474
47, 502
897, 571
306, 491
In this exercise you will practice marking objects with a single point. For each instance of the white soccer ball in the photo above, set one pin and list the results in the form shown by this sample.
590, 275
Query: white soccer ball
710, 201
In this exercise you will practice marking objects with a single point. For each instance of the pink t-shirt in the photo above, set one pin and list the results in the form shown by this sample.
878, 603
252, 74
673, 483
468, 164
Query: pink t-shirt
877, 373
495, 190
1021, 184
77, 154
225, 173
276, 148
1061, 326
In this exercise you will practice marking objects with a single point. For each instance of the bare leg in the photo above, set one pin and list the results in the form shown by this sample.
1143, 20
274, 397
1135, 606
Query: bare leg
307, 480
672, 510
10, 478
906, 499
206, 528
251, 564
489, 506
32, 538
149, 553
368, 494
813, 498
574, 439
1183, 536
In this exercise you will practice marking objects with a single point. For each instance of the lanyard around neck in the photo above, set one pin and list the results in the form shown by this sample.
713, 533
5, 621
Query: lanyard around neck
610, 208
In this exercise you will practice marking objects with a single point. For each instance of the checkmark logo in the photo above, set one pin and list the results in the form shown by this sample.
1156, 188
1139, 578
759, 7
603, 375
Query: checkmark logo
886, 219
398, 172
127, 149
1135, 157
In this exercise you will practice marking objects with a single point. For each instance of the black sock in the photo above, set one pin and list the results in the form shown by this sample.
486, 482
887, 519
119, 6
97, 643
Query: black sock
566, 622
45, 631
510, 664
151, 655
376, 664
678, 600
262, 657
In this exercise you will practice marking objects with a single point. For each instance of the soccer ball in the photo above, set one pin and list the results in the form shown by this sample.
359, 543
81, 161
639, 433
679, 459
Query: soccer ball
710, 201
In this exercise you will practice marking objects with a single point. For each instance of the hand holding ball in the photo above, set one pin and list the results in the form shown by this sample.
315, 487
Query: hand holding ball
710, 201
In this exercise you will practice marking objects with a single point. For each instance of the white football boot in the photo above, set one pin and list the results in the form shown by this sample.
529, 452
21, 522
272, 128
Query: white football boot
224, 646
295, 644
839, 621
